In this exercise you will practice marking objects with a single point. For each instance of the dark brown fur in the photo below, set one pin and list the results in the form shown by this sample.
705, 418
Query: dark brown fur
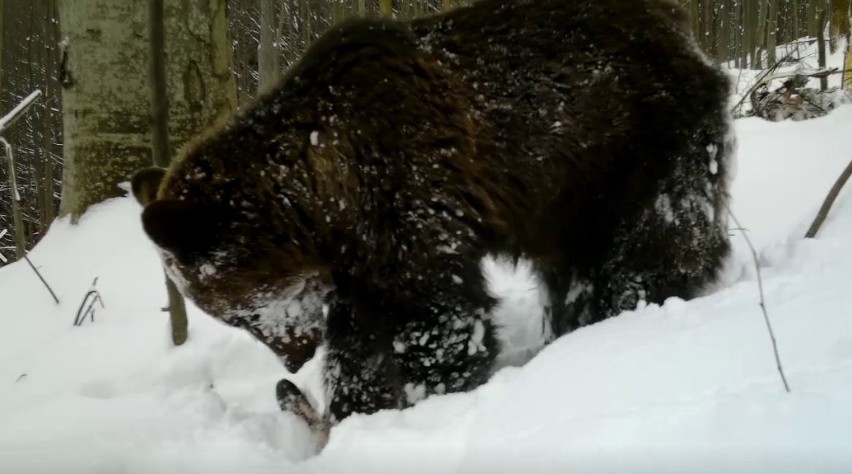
589, 136
146, 183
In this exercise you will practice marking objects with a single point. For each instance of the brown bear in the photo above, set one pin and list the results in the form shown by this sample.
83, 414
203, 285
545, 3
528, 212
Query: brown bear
588, 136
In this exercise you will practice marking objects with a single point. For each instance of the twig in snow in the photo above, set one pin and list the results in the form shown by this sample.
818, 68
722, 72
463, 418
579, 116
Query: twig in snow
762, 299
829, 200
92, 297
41, 278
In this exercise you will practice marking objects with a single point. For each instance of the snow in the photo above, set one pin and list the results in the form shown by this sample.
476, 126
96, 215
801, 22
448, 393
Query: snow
689, 386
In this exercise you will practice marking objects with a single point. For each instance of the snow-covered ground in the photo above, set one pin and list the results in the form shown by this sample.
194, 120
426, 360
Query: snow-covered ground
682, 387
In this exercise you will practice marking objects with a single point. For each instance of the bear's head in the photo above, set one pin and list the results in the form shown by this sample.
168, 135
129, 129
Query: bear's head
233, 268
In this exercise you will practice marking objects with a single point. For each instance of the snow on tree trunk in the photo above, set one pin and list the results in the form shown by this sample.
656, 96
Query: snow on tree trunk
106, 95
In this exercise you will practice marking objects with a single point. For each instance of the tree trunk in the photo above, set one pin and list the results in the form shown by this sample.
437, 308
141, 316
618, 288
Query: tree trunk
307, 26
201, 90
708, 40
201, 86
750, 28
695, 16
772, 32
723, 31
2, 8
268, 54
105, 88
795, 19
762, 23
823, 17
386, 8
847, 70
160, 144
812, 17
105, 98
50, 96
839, 22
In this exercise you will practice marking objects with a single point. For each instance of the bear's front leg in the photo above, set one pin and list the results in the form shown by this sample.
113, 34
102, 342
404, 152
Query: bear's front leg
360, 376
291, 399
430, 334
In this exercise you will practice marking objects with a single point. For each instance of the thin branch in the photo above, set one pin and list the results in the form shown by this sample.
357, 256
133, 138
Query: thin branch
829, 200
762, 299
43, 281
92, 297
19, 110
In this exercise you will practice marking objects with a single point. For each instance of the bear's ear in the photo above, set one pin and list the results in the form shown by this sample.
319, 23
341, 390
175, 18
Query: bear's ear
186, 229
145, 184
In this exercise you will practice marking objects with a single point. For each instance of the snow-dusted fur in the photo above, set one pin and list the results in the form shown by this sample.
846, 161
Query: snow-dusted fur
588, 136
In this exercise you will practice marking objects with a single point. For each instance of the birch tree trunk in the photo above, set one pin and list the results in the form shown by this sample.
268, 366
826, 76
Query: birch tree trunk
106, 101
